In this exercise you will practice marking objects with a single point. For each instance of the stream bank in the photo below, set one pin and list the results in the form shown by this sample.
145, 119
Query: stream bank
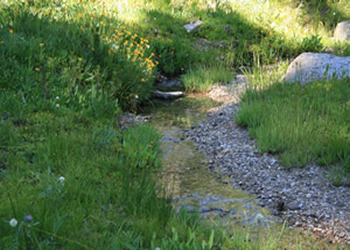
302, 196
210, 164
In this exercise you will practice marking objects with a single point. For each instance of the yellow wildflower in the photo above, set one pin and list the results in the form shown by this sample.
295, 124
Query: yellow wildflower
41, 44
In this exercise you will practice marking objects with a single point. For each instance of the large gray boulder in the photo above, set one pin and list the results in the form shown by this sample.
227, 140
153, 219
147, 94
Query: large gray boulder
309, 67
342, 31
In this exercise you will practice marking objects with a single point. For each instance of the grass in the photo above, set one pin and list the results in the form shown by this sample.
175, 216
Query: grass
302, 124
202, 79
70, 177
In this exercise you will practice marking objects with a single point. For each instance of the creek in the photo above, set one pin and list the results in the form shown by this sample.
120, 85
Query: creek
187, 179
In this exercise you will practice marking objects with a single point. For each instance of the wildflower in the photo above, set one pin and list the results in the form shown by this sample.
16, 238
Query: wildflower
80, 15
57, 97
3, 42
115, 47
50, 58
136, 97
61, 179
13, 222
37, 69
11, 31
57, 105
259, 218
333, 13
154, 18
41, 44
28, 218
146, 21
80, 59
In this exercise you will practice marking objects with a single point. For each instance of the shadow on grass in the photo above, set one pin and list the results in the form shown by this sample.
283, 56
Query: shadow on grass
326, 14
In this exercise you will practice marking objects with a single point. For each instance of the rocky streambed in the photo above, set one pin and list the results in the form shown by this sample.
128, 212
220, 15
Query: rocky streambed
302, 196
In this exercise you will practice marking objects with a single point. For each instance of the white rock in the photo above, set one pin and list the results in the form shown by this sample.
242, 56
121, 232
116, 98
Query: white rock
342, 31
192, 27
309, 67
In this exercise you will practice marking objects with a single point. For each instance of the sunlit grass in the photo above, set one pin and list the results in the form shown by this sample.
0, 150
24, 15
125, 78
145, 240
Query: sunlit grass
302, 124
203, 78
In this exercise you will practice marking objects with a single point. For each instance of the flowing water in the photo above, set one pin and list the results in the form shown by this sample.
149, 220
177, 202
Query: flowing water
188, 181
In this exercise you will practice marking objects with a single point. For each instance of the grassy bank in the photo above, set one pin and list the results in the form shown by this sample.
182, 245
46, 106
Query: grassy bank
302, 124
70, 176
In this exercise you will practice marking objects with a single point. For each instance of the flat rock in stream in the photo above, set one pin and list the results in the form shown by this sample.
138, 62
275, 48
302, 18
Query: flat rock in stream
167, 95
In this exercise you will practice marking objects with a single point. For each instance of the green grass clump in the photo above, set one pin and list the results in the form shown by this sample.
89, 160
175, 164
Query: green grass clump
203, 78
302, 124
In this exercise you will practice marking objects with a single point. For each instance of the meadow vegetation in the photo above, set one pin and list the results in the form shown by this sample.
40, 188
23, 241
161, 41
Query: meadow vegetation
71, 177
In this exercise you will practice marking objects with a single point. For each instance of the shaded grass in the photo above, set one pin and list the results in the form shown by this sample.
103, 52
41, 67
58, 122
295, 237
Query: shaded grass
301, 124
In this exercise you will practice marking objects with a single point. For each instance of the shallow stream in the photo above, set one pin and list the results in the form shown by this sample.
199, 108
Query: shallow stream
187, 179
